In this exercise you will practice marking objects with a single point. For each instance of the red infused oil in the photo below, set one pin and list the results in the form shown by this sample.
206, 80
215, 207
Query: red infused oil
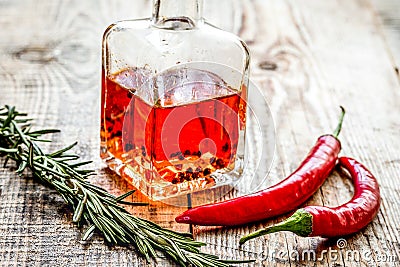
173, 133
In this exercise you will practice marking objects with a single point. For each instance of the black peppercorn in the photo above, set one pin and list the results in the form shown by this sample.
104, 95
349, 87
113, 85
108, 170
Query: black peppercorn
206, 171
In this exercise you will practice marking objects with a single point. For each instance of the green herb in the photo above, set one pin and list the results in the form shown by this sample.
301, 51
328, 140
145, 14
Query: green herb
94, 208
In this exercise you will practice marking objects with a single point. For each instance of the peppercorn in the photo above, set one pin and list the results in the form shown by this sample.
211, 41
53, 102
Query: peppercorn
206, 171
128, 147
225, 147
220, 163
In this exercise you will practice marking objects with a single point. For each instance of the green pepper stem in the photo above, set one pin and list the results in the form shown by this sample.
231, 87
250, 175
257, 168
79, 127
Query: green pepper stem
299, 223
339, 126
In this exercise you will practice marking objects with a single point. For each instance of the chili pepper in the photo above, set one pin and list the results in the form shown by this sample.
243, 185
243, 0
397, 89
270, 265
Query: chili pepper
346, 219
278, 199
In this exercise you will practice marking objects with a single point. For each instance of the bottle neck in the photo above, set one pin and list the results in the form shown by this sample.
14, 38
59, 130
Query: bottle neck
177, 14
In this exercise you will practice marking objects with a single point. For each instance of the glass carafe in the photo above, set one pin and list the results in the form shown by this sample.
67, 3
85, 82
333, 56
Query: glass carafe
173, 106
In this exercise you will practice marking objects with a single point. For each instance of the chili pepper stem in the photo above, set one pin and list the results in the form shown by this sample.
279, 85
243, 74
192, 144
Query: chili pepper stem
339, 126
299, 223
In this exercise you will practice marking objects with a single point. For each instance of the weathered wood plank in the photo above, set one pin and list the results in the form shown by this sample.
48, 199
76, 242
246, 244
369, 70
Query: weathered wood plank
308, 57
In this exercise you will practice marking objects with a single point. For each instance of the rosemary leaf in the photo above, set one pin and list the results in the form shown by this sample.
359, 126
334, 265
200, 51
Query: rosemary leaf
88, 233
133, 203
21, 167
151, 250
8, 150
178, 251
79, 164
61, 151
9, 116
45, 131
127, 194
30, 157
79, 210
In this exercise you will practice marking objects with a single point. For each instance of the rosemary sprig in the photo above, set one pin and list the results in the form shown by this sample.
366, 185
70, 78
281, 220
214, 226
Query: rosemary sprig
94, 208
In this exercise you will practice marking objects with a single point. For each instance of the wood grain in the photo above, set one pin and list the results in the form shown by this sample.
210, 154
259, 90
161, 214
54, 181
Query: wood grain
388, 17
308, 57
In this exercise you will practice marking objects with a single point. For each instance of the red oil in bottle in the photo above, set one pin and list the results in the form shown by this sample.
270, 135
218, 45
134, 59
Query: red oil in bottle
173, 139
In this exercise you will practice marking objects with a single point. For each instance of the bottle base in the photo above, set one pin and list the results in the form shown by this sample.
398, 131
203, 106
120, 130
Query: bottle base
205, 189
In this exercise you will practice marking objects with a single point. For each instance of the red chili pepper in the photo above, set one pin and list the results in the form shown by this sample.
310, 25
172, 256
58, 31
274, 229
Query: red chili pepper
278, 199
346, 219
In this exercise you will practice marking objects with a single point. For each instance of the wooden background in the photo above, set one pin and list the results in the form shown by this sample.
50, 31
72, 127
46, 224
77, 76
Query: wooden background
308, 57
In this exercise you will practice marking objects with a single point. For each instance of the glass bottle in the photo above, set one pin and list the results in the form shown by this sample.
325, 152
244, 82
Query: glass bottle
173, 101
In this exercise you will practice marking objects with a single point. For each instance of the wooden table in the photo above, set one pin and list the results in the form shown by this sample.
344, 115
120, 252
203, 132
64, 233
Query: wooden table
308, 57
